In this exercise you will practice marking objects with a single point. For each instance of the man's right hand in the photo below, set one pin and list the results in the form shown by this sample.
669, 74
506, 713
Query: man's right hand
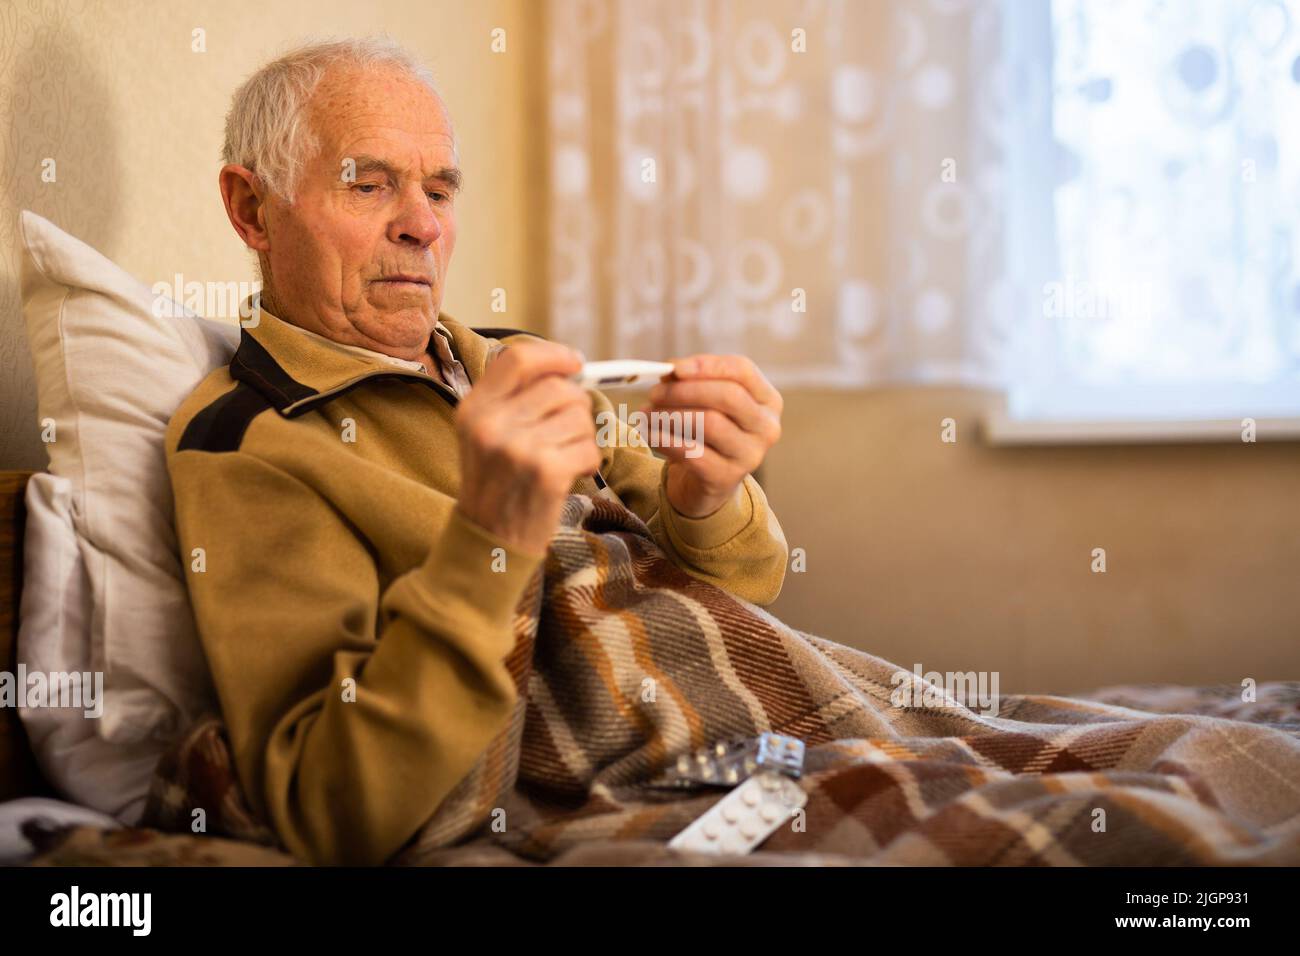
526, 434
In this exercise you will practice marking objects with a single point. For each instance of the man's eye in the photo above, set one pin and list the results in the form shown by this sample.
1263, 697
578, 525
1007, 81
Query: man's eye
367, 187
439, 197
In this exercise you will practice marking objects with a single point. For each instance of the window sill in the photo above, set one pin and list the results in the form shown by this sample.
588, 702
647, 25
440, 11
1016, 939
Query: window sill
1000, 429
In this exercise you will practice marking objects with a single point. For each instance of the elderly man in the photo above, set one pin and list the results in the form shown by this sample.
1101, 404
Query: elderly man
371, 485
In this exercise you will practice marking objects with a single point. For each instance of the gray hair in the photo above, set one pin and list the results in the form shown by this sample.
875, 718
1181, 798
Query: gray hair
267, 130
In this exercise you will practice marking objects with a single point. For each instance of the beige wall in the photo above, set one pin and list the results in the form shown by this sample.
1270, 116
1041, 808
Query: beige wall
952, 556
965, 556
133, 118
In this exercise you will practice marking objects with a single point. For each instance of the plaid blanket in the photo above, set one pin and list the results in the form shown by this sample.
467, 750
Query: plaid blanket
623, 662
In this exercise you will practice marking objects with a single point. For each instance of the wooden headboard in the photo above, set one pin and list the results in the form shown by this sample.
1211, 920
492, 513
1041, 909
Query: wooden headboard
18, 773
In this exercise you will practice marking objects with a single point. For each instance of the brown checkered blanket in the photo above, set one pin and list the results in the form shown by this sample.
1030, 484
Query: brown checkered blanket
623, 662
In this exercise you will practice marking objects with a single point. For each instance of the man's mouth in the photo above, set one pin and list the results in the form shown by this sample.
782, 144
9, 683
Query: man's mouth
404, 278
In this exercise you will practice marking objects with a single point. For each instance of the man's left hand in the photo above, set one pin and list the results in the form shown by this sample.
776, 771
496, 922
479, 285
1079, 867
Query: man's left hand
741, 421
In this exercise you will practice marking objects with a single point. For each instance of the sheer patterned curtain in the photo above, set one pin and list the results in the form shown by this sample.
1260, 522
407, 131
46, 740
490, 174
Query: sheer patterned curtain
819, 184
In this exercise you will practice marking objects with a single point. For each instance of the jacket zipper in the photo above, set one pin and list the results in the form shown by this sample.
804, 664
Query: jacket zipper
304, 405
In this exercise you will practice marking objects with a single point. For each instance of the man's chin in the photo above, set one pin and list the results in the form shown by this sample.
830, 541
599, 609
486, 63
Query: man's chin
398, 326
404, 303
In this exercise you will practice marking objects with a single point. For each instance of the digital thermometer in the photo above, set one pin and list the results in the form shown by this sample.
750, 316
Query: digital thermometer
622, 373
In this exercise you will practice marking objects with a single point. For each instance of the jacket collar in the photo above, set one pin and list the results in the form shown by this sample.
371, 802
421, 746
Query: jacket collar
296, 373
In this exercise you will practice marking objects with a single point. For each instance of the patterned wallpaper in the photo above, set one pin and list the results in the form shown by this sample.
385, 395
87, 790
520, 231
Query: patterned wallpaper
115, 93
54, 104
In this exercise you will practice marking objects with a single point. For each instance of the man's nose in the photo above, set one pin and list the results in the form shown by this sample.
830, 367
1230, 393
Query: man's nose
416, 223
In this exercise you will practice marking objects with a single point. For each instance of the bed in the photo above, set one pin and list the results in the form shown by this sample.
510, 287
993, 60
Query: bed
631, 829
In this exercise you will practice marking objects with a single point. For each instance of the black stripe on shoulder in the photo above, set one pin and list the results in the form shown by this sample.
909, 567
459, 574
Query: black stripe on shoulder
503, 333
256, 366
221, 425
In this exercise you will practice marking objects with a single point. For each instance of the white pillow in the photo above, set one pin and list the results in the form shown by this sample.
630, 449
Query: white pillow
14, 847
54, 637
109, 374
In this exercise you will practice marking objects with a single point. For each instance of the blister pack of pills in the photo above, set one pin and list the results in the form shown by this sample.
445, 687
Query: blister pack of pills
744, 818
730, 762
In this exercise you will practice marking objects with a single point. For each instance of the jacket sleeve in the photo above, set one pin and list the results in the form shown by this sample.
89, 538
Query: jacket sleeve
740, 547
352, 711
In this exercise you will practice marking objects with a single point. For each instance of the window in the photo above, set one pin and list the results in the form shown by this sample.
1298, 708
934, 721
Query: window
1167, 164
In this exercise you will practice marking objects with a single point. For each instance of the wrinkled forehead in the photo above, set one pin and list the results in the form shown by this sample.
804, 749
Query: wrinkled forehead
361, 109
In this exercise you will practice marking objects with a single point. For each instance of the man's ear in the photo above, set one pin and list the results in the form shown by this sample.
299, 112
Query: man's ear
245, 200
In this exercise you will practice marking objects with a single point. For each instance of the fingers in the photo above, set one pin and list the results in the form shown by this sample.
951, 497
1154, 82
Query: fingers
563, 446
737, 417
565, 425
546, 457
711, 469
586, 456
547, 395
678, 426
710, 430
514, 423
526, 433
519, 365
728, 397
737, 368
526, 410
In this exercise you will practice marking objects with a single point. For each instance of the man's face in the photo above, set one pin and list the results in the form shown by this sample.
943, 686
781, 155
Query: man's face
361, 255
